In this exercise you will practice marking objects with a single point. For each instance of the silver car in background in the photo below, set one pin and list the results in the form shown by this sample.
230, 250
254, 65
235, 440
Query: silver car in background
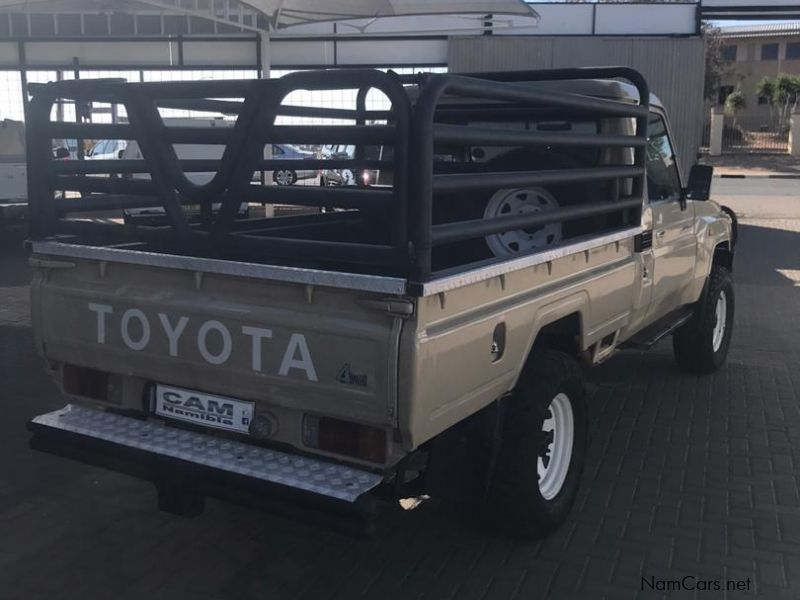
291, 176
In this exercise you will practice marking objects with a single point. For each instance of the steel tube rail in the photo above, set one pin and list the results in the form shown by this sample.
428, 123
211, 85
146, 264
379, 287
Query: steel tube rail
215, 244
344, 134
459, 134
100, 90
331, 113
90, 131
488, 181
464, 230
89, 167
105, 185
316, 250
340, 197
298, 134
105, 202
321, 220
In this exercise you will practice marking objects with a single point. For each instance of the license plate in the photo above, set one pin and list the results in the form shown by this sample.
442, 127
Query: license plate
203, 409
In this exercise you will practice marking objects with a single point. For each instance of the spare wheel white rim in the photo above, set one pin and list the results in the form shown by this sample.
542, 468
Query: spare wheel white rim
516, 202
555, 453
721, 315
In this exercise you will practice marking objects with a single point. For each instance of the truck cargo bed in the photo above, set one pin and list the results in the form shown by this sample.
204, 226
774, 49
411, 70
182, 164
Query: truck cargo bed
423, 134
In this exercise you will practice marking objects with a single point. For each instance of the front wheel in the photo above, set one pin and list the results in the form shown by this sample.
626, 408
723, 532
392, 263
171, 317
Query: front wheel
701, 345
543, 446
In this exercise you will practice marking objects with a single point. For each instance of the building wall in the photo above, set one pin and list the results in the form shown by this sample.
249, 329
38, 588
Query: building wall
674, 68
749, 68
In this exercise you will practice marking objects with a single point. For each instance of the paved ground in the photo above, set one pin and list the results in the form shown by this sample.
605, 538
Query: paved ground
686, 476
754, 164
748, 197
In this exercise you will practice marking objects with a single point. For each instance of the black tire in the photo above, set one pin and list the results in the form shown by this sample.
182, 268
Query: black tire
693, 343
515, 501
292, 176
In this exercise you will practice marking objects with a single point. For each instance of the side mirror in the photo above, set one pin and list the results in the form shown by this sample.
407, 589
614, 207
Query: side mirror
699, 186
62, 153
120, 153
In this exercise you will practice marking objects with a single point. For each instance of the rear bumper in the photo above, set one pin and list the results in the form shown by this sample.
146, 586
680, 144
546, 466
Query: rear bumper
187, 464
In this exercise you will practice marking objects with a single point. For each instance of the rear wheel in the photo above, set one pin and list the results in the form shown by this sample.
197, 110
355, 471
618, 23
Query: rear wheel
543, 447
701, 345
284, 177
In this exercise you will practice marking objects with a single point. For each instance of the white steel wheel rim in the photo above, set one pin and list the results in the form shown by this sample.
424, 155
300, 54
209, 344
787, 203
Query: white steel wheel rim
284, 177
721, 315
555, 454
517, 202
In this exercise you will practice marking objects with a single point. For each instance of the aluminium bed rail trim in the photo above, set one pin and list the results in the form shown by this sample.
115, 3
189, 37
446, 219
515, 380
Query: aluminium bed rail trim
333, 279
451, 282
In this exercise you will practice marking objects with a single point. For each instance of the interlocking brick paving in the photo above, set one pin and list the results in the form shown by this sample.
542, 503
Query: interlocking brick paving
685, 476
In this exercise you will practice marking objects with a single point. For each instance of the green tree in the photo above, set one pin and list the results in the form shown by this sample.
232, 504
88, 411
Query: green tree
766, 89
783, 95
735, 102
716, 66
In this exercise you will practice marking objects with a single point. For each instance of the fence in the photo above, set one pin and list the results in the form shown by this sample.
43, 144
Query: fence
767, 139
727, 135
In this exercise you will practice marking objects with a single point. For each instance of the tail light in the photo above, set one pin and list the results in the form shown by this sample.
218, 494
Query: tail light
345, 438
90, 383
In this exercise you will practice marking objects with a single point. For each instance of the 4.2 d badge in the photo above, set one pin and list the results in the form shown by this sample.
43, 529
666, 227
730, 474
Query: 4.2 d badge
350, 376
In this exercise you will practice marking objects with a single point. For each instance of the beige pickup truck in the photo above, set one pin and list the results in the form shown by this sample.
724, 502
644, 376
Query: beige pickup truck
427, 338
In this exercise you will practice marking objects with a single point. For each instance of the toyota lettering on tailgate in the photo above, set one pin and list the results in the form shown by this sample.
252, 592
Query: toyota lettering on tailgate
214, 340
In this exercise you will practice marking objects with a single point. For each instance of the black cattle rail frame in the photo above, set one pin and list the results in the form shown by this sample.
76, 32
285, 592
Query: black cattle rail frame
412, 130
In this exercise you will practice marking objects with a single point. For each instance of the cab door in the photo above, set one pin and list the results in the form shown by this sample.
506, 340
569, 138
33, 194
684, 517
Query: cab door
674, 240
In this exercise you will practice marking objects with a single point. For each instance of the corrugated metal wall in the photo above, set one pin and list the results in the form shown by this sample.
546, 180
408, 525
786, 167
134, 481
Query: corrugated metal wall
674, 68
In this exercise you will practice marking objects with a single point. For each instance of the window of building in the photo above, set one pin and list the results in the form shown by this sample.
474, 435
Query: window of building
43, 24
69, 24
793, 50
769, 51
723, 93
729, 53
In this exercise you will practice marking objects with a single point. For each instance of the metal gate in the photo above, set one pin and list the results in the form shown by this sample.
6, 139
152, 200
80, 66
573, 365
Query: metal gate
760, 139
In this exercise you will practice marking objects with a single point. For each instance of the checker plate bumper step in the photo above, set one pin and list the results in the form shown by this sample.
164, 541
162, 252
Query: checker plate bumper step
299, 472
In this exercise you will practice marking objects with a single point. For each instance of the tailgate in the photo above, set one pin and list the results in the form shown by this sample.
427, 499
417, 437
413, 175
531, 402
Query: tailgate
304, 347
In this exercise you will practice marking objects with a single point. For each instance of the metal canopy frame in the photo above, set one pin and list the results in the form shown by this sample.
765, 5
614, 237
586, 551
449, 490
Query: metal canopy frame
406, 207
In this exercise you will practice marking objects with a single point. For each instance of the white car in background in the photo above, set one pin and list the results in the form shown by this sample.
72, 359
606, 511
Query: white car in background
107, 150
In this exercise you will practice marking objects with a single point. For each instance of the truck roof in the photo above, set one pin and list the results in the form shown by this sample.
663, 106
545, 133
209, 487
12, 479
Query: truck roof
601, 88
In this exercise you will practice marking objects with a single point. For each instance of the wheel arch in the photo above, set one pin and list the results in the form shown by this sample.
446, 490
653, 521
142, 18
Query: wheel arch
563, 334
723, 255
724, 250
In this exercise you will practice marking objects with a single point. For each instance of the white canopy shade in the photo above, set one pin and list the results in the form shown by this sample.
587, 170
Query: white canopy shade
284, 13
